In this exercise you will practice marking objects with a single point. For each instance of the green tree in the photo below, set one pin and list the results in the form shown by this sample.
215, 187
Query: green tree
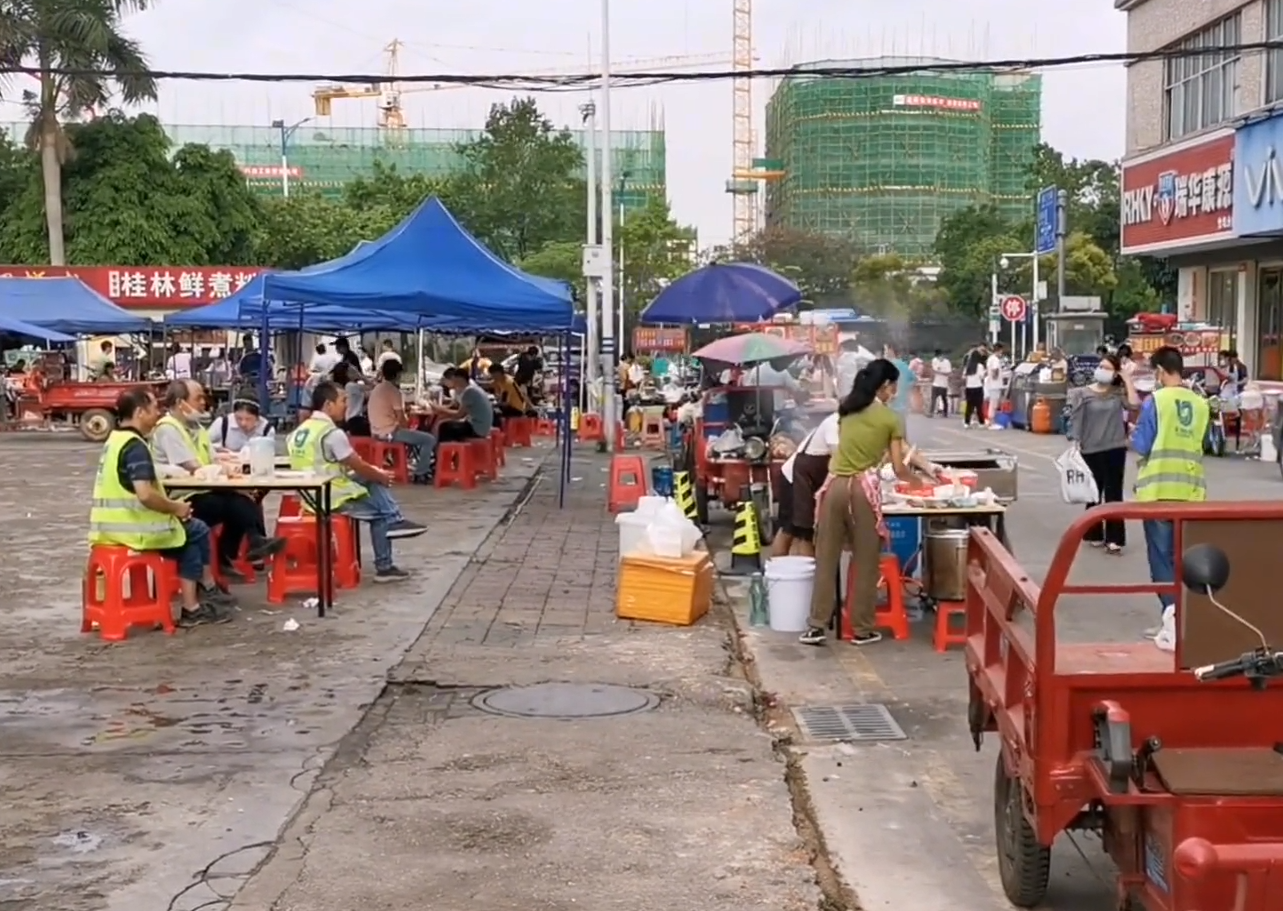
821, 265
306, 229
387, 188
560, 259
127, 201
75, 35
968, 246
517, 189
655, 250
888, 286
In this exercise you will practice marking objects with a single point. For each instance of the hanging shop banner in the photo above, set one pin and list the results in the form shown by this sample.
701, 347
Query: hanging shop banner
1179, 197
149, 287
650, 339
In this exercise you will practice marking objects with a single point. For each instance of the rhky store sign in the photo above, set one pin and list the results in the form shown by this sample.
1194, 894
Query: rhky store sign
1179, 197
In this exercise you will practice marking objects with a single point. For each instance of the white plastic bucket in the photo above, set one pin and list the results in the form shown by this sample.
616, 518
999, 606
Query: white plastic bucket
789, 582
632, 532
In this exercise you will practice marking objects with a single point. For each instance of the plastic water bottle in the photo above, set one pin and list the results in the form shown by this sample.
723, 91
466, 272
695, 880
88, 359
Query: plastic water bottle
759, 613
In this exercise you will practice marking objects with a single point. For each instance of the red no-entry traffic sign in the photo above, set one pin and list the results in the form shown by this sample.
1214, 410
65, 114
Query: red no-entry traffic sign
1014, 308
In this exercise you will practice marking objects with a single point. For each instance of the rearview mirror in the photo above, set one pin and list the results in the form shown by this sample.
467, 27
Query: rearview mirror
1205, 567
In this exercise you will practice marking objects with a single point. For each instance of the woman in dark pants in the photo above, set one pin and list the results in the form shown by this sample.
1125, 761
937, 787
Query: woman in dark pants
1097, 424
801, 478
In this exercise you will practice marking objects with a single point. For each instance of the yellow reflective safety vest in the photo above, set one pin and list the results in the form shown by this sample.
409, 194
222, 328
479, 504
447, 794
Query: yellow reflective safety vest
1174, 468
307, 453
116, 516
199, 443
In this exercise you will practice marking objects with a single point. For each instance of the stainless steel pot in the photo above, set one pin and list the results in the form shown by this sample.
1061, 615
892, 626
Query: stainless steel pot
944, 558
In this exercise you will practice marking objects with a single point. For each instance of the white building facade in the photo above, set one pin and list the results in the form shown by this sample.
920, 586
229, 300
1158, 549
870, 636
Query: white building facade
1201, 185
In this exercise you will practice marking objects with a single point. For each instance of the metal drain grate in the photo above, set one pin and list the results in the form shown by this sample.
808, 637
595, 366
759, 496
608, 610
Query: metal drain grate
866, 723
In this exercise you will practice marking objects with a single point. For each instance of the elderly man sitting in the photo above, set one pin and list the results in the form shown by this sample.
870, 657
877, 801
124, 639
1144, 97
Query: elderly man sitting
131, 509
182, 446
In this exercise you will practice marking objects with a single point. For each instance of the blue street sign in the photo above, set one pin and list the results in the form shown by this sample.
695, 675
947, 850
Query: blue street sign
1045, 232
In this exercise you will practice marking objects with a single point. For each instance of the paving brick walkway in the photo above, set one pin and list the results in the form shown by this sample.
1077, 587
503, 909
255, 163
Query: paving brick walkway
546, 576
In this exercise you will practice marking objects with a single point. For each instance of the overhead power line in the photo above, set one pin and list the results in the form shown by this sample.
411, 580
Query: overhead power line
546, 83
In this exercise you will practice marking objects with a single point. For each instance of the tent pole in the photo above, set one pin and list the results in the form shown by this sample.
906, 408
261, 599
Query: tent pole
418, 371
565, 421
264, 346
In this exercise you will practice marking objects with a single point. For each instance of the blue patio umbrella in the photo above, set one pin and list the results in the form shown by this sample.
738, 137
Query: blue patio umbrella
723, 293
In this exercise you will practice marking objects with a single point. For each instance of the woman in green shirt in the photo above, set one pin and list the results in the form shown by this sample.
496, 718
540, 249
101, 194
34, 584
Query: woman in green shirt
850, 513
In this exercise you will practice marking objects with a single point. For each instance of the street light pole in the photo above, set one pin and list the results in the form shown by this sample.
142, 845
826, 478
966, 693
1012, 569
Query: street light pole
286, 133
591, 355
623, 330
608, 370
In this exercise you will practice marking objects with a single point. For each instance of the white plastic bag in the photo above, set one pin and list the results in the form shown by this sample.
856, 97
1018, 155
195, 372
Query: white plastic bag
1076, 482
1166, 638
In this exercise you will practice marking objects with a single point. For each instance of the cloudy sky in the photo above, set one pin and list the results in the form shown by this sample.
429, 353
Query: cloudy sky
1082, 108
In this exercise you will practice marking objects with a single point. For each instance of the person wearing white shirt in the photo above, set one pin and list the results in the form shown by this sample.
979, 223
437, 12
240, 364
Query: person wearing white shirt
941, 370
179, 364
849, 362
801, 477
993, 385
323, 360
389, 353
974, 385
232, 432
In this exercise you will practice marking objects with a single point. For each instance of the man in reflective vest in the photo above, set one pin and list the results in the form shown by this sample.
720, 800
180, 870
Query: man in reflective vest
131, 509
182, 446
357, 488
1169, 441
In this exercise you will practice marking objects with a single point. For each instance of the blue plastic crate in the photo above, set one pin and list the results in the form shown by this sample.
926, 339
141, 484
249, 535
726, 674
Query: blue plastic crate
906, 540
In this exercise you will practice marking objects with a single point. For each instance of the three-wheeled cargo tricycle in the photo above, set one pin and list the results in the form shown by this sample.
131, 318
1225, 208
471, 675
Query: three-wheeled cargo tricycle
1181, 777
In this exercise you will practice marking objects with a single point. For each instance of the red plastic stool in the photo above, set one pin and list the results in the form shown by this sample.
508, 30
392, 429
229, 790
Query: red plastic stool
890, 614
518, 432
293, 570
627, 482
497, 440
483, 459
364, 447
392, 456
150, 580
241, 564
545, 427
590, 428
944, 636
455, 465
291, 506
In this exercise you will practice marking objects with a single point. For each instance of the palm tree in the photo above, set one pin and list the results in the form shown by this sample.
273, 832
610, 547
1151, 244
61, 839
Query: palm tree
83, 59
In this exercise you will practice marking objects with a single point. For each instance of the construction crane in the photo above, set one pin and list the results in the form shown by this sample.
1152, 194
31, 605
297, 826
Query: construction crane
392, 117
747, 172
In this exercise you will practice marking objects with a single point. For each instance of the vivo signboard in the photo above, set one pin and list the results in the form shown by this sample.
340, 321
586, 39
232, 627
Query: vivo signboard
1258, 185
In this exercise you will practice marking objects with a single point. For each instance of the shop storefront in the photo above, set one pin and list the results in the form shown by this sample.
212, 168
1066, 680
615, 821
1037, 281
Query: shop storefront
1213, 207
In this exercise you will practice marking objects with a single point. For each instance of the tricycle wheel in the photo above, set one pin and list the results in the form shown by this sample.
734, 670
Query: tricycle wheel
701, 504
1023, 864
765, 521
96, 424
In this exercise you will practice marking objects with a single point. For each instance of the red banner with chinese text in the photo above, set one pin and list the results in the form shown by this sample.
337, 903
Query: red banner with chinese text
648, 339
149, 287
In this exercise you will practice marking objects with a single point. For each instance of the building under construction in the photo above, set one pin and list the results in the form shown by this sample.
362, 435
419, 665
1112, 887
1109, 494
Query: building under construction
883, 159
324, 159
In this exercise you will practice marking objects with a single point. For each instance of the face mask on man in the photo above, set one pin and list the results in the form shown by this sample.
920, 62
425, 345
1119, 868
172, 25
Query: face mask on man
1104, 376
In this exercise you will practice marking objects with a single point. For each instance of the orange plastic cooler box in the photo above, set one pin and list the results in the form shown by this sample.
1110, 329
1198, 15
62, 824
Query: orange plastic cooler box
665, 590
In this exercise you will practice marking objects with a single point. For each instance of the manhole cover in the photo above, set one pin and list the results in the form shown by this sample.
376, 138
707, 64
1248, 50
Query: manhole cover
566, 700
868, 722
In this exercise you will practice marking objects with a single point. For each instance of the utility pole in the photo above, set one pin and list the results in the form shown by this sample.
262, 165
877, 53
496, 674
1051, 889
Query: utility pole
591, 352
1062, 203
608, 355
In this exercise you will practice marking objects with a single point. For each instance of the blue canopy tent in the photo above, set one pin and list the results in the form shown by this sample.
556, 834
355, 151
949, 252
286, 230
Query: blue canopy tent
66, 304
245, 310
30, 330
430, 266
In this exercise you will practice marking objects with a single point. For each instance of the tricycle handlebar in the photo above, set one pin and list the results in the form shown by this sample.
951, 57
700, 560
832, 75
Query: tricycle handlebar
1257, 664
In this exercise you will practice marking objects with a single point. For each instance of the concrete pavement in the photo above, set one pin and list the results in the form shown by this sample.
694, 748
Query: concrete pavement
433, 803
155, 774
908, 824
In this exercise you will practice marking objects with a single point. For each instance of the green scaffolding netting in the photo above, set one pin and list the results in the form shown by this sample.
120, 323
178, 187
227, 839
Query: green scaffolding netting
884, 159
